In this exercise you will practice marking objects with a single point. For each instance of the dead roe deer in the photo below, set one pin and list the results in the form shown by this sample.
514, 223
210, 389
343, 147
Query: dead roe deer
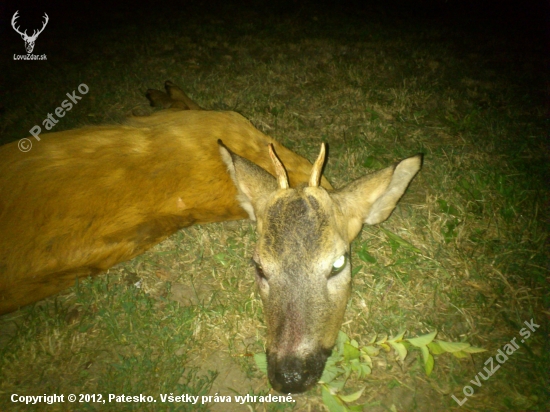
84, 200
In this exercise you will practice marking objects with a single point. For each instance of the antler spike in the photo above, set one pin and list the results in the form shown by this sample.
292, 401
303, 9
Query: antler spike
279, 169
315, 177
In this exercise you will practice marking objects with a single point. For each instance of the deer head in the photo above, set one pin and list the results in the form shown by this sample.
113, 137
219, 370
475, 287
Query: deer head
29, 40
302, 260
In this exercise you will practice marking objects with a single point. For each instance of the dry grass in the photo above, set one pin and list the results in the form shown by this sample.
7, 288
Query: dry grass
376, 93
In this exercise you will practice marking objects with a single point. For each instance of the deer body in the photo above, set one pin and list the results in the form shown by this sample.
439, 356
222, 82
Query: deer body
84, 200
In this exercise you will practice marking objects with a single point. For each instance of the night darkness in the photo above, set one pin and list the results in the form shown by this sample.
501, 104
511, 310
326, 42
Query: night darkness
463, 82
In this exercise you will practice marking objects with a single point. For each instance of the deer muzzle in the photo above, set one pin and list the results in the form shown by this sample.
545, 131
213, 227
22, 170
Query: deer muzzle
296, 374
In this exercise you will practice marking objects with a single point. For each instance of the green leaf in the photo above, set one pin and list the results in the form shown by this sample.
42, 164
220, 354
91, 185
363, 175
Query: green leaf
261, 361
453, 346
383, 339
385, 347
399, 349
331, 371
460, 355
370, 350
473, 349
366, 256
364, 370
352, 397
356, 270
332, 402
342, 338
350, 352
337, 385
398, 337
422, 340
428, 360
435, 348
400, 241
328, 375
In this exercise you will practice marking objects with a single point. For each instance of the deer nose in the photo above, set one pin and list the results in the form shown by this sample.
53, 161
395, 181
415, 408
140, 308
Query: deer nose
294, 374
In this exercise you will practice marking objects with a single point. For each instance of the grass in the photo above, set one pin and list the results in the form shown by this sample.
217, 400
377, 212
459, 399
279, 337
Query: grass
465, 253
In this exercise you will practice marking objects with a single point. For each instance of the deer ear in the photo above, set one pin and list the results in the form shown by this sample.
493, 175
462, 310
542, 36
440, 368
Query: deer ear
372, 198
253, 183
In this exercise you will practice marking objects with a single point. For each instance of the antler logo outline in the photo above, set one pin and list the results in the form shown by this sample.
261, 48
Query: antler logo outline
29, 40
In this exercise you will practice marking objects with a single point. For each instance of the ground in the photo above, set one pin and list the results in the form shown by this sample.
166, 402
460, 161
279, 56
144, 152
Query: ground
465, 253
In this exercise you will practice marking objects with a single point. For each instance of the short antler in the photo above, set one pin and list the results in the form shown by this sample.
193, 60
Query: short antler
280, 171
316, 172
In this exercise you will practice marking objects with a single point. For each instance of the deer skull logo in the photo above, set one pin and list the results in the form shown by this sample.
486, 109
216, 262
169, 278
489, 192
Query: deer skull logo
29, 40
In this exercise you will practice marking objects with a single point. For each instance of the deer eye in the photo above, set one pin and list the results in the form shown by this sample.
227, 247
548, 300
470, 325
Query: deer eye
339, 265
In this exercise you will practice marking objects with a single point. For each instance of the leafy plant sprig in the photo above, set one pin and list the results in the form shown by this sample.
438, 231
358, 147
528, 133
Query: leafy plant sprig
348, 358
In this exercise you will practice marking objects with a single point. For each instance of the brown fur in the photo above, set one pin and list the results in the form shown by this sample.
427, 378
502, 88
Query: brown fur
84, 200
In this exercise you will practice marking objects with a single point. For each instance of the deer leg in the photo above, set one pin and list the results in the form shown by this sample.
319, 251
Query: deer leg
179, 96
174, 98
159, 99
